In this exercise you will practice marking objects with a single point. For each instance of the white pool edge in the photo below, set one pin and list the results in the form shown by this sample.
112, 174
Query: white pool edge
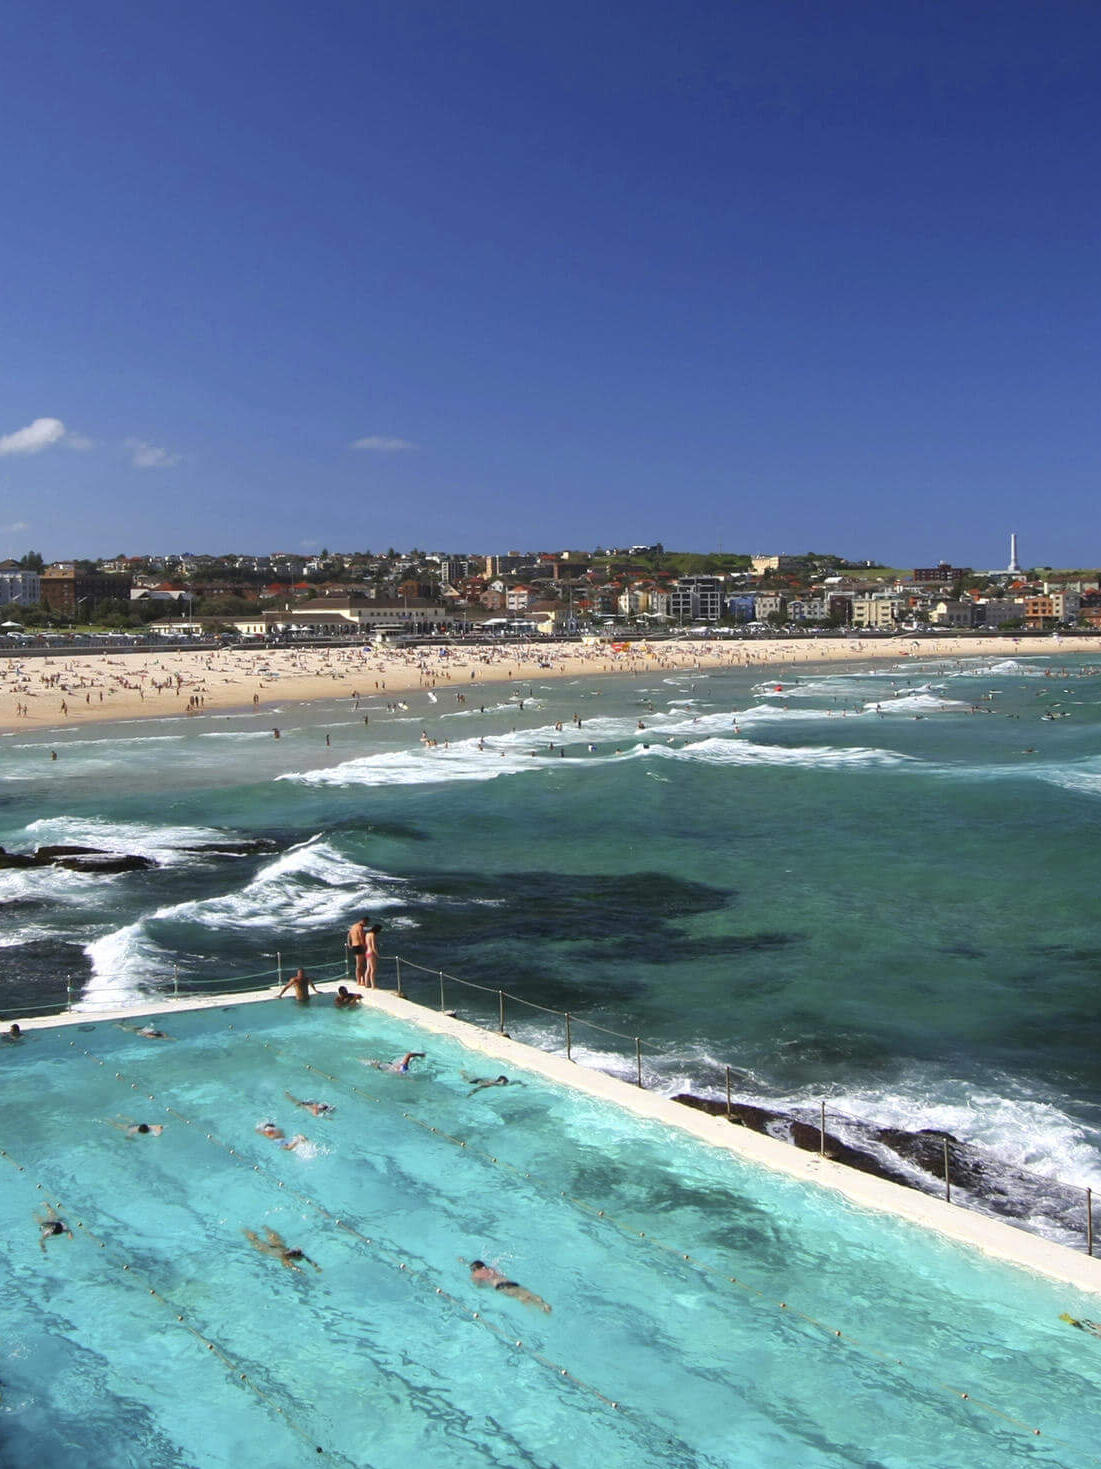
992, 1237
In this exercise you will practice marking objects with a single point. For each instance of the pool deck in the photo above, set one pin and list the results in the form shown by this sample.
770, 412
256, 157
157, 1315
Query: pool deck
993, 1237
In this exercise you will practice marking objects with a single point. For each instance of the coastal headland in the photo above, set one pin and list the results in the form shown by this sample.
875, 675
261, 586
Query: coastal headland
79, 688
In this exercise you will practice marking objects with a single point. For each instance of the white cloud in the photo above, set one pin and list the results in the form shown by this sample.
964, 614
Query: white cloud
43, 433
16, 525
149, 456
34, 438
382, 445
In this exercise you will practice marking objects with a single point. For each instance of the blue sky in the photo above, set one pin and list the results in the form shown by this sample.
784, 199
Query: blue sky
765, 275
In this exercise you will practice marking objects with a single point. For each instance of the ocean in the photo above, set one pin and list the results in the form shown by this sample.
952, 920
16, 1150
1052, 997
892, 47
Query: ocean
869, 885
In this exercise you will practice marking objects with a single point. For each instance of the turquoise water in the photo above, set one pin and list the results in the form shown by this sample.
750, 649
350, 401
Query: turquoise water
891, 908
380, 1359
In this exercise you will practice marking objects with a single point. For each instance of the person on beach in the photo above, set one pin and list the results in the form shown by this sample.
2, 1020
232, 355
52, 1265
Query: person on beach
302, 984
50, 1225
485, 1275
401, 1065
371, 956
344, 999
357, 946
276, 1245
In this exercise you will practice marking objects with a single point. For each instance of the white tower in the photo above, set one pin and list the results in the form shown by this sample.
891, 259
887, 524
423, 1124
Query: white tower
1014, 564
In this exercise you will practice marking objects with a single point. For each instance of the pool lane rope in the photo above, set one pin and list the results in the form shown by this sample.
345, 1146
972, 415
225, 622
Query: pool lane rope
629, 1230
237, 1374
388, 1255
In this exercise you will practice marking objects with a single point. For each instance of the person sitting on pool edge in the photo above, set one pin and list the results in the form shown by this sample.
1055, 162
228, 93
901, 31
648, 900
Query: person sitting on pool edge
486, 1275
302, 984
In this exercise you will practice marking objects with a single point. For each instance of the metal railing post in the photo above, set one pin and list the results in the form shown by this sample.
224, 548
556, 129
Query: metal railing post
728, 1113
822, 1131
175, 981
569, 1038
279, 967
1089, 1221
442, 1005
638, 1059
397, 972
947, 1180
68, 992
501, 1011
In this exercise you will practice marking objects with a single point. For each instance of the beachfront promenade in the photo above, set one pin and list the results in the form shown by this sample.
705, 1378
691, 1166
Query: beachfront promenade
70, 688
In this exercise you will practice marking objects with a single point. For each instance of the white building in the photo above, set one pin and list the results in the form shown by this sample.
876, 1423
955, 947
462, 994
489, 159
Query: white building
18, 585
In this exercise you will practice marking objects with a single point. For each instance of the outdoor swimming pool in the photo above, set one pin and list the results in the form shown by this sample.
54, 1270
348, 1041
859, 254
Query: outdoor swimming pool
157, 1337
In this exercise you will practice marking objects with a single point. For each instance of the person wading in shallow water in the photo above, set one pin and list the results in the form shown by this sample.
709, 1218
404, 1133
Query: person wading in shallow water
302, 984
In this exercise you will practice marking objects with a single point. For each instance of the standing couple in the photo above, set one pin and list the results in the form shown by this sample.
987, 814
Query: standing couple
363, 944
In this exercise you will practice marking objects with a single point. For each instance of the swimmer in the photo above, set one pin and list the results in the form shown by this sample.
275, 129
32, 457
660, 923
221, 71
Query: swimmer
479, 1083
12, 1037
276, 1245
319, 1109
147, 1032
483, 1274
1093, 1327
50, 1225
140, 1129
271, 1130
344, 999
400, 1065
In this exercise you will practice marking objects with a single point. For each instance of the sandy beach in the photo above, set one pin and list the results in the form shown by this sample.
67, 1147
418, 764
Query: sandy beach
76, 688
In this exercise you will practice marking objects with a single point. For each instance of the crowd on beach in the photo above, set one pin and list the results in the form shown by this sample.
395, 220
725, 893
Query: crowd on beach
59, 690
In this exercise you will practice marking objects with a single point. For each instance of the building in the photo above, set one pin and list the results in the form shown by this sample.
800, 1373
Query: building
342, 616
18, 585
942, 575
953, 614
996, 612
769, 604
696, 599
877, 612
68, 591
762, 565
807, 609
1051, 608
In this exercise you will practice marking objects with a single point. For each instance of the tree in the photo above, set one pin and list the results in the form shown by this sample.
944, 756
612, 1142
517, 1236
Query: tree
32, 561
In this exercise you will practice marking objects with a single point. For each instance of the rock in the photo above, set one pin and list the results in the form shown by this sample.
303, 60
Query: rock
233, 849
105, 862
47, 854
18, 859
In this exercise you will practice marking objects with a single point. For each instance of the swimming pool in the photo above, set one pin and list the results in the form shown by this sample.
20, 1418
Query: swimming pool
705, 1311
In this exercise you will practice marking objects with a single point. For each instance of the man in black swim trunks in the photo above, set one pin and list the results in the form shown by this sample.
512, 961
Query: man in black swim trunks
486, 1275
50, 1225
357, 946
